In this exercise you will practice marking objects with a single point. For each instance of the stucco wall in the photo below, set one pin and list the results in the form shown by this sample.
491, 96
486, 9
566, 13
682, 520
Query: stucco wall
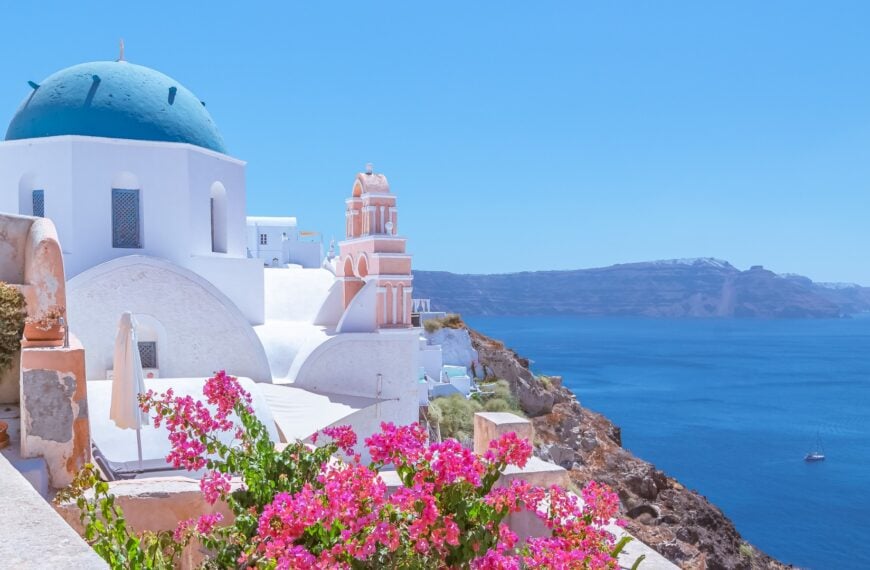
456, 347
200, 330
350, 364
295, 294
54, 410
30, 165
34, 536
239, 279
77, 175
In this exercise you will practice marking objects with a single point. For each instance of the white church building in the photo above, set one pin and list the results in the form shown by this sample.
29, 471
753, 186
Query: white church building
150, 212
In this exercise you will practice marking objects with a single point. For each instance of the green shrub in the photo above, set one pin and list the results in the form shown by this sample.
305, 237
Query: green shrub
499, 390
497, 405
456, 415
12, 317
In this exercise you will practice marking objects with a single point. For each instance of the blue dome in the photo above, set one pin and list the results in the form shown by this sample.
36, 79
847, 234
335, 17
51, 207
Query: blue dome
115, 99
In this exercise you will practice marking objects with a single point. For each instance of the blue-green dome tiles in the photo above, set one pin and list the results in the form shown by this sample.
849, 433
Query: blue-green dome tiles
115, 99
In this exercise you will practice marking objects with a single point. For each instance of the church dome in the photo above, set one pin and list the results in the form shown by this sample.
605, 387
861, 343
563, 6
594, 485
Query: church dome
115, 99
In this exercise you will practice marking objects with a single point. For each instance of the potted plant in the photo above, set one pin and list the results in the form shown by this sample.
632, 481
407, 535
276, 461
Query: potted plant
45, 326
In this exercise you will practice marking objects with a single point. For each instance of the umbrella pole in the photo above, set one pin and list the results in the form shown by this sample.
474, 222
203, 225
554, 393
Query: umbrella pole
139, 445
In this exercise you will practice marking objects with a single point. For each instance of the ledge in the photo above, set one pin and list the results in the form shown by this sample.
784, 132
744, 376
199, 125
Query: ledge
34, 536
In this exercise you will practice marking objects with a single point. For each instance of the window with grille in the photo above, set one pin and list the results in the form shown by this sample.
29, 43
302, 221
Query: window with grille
148, 354
126, 223
264, 239
39, 203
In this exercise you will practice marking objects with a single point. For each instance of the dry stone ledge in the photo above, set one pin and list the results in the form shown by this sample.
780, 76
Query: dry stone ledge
489, 426
34, 536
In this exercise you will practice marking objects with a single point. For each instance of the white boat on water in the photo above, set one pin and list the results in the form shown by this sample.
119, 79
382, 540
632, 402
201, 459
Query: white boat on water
817, 454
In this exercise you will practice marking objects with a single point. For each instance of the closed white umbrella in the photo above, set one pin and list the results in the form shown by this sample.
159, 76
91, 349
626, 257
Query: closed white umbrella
128, 381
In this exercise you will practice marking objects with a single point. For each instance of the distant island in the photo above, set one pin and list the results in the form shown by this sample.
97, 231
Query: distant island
701, 287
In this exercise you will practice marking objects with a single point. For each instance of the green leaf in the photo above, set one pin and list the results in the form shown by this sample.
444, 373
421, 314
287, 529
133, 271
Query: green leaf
620, 545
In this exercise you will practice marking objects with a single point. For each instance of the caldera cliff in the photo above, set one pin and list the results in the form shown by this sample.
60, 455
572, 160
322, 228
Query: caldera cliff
679, 523
677, 288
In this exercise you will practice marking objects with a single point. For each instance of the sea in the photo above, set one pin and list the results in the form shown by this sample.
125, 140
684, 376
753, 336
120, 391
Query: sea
730, 408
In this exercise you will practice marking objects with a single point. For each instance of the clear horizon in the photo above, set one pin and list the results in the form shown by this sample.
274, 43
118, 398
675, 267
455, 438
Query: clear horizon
523, 137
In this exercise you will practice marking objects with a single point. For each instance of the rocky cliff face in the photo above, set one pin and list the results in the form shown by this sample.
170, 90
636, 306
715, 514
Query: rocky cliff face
677, 522
675, 288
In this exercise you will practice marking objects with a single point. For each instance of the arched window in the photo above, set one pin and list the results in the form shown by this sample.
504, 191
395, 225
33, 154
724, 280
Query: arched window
126, 212
218, 218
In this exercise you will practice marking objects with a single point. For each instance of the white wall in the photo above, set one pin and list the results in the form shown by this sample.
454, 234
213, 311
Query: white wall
274, 248
204, 169
239, 279
431, 359
282, 243
308, 254
174, 180
78, 173
361, 313
203, 330
350, 364
456, 348
26, 166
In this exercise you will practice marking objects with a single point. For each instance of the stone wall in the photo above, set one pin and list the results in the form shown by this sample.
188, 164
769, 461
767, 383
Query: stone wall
54, 410
34, 536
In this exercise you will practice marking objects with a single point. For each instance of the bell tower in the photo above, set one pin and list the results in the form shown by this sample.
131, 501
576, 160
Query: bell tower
373, 254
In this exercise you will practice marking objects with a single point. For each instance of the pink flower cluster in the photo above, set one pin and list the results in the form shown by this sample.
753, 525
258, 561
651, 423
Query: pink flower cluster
203, 525
343, 436
191, 424
449, 511
214, 485
509, 449
347, 514
224, 392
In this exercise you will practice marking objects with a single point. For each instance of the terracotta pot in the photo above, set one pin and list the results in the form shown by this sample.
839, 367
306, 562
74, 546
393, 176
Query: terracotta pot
34, 332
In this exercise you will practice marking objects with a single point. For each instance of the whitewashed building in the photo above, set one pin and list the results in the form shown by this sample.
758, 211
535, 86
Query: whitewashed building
150, 211
277, 241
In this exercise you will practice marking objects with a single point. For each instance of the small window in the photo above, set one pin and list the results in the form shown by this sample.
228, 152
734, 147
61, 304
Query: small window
148, 354
39, 203
126, 226
264, 239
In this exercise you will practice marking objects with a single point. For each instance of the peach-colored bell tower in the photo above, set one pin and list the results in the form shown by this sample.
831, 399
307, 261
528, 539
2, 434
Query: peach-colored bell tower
373, 251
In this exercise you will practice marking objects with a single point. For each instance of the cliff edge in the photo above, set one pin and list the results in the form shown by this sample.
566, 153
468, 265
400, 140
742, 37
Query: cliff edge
677, 522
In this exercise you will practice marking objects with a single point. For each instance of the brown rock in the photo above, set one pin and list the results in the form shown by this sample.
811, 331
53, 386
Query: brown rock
678, 523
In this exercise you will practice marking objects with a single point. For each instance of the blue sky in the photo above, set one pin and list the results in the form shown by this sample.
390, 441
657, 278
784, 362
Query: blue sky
522, 136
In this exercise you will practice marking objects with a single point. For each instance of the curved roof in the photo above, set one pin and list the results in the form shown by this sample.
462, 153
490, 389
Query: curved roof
115, 99
371, 183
